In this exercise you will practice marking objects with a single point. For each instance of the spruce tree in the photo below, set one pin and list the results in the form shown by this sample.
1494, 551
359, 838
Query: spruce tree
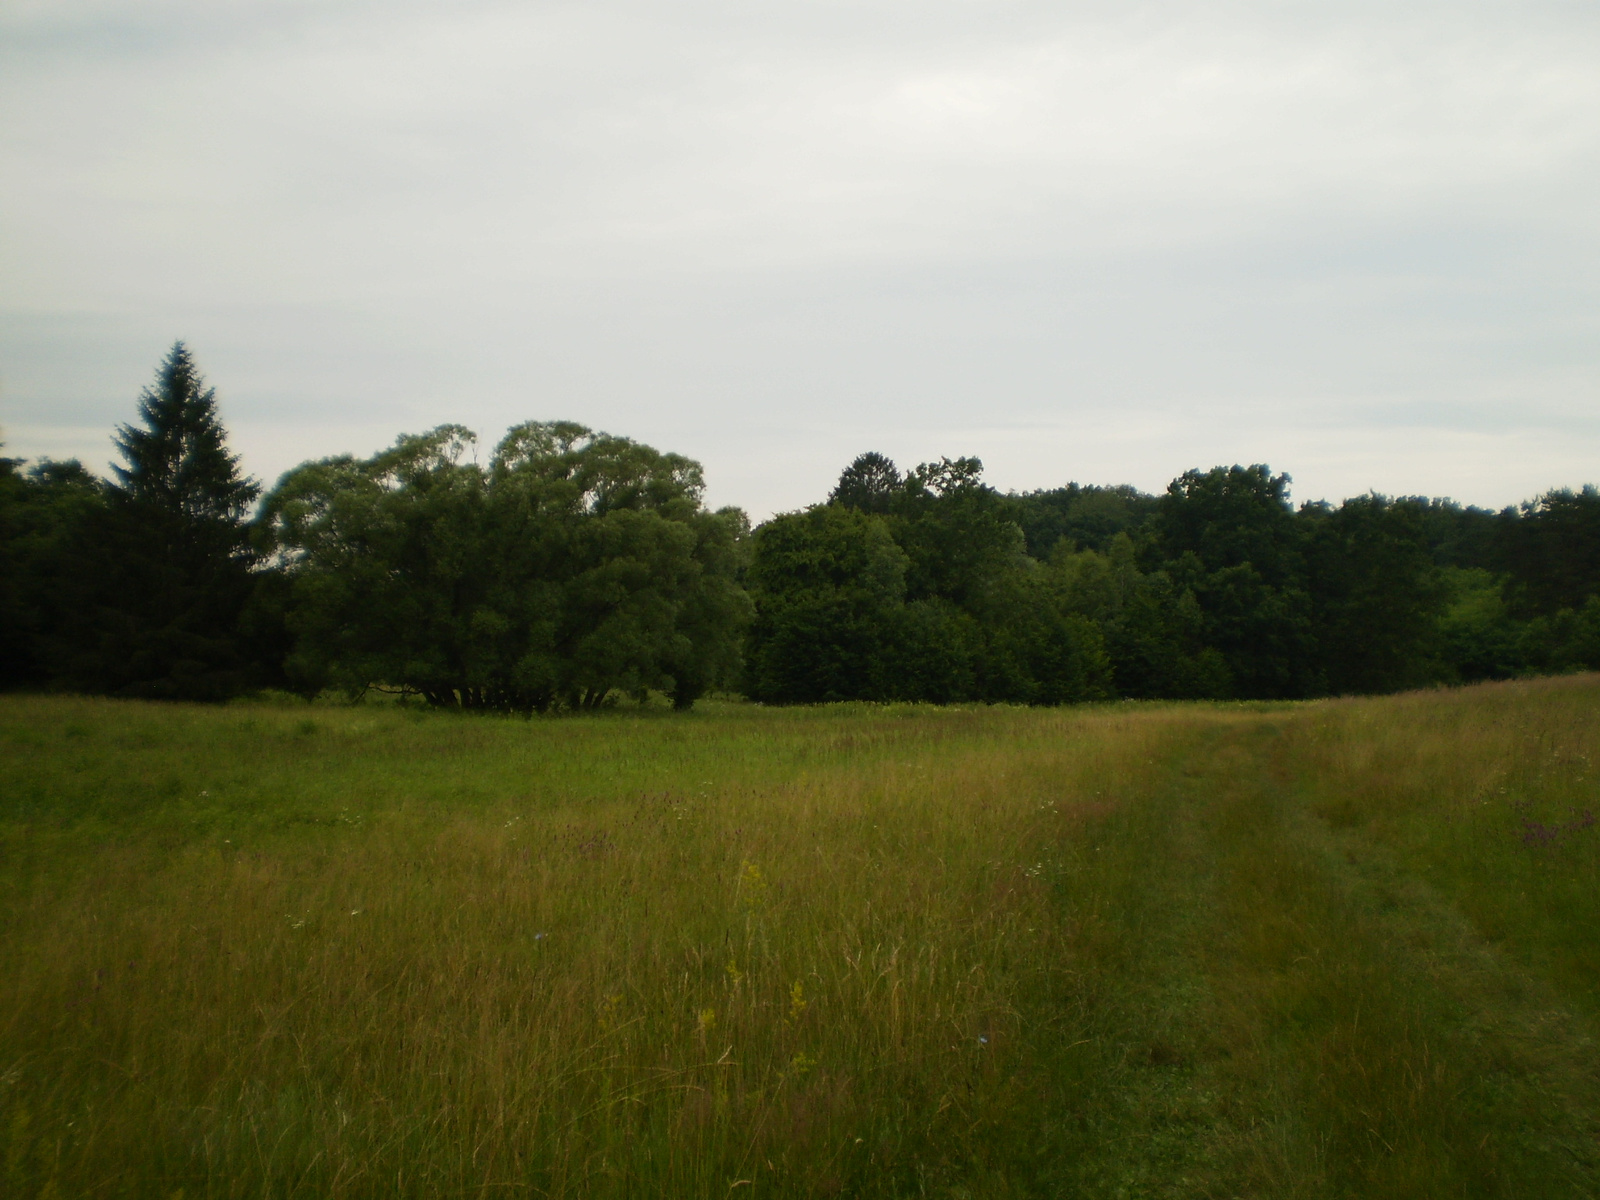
179, 462
169, 563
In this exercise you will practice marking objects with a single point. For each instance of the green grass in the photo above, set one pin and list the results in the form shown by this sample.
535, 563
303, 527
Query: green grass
1337, 949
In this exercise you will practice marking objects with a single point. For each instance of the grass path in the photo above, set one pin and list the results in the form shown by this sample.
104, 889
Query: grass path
1525, 1062
1539, 1056
1315, 1020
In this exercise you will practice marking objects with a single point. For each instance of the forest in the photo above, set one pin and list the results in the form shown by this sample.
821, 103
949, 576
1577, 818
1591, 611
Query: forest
573, 570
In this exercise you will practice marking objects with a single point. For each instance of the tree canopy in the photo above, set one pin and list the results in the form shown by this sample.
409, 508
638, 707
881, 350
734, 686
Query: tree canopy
575, 567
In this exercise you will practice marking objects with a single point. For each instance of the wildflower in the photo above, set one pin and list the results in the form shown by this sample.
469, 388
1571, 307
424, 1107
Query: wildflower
800, 1064
707, 1021
735, 976
752, 886
797, 1002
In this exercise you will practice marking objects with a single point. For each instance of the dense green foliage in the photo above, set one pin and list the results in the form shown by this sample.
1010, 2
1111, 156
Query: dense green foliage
940, 588
576, 568
137, 587
575, 565
915, 589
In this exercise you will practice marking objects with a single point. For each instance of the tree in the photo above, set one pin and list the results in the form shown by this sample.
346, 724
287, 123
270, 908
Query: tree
43, 564
165, 566
870, 484
1552, 551
958, 534
934, 600
1154, 632
1457, 536
1378, 599
829, 586
178, 464
1230, 517
575, 566
1565, 640
1089, 516
16, 637
1480, 637
1036, 649
1229, 537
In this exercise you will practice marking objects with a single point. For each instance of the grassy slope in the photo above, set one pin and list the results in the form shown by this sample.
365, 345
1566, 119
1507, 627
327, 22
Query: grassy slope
1346, 948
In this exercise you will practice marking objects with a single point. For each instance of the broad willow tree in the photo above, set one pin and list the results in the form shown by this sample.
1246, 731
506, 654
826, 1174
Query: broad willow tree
574, 566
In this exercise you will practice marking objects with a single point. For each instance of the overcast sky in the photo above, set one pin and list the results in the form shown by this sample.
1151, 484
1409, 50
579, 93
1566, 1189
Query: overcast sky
1103, 242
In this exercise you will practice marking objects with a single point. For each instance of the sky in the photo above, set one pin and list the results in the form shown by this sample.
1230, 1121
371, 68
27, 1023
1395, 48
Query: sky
1103, 242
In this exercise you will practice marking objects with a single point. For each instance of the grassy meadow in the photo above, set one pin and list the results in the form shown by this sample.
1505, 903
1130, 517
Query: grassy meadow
1343, 948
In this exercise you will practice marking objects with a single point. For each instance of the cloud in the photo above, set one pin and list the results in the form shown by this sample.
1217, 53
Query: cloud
763, 232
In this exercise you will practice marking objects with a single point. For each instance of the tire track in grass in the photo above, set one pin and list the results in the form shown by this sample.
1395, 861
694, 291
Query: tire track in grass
1148, 1107
1370, 1048
1293, 1016
1541, 1057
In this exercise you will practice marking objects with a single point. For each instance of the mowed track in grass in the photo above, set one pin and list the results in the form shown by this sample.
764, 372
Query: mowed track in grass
1331, 949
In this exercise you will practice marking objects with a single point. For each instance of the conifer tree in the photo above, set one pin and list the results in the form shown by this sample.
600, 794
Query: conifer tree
168, 562
179, 462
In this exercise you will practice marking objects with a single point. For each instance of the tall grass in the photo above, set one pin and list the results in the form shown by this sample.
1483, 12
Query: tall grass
1165, 950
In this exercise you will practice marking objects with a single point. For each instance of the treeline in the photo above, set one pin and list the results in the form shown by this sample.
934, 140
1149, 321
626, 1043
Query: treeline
572, 568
